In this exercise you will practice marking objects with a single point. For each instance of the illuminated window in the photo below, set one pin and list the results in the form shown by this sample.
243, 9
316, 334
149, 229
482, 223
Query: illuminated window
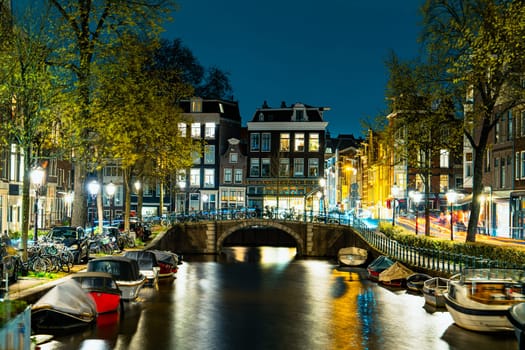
228, 175
183, 129
209, 178
313, 142
209, 130
209, 154
234, 158
299, 142
298, 167
284, 142
313, 167
195, 177
195, 130
196, 105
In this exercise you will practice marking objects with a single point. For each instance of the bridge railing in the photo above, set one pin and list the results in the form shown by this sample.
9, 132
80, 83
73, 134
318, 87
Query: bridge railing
427, 258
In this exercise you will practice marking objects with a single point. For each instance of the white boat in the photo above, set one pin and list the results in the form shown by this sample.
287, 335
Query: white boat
478, 299
516, 316
352, 256
433, 290
125, 271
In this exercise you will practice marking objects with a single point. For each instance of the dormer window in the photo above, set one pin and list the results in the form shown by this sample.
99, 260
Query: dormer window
261, 117
299, 113
196, 105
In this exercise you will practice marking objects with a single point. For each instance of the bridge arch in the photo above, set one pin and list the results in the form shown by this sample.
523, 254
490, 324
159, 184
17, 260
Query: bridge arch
240, 225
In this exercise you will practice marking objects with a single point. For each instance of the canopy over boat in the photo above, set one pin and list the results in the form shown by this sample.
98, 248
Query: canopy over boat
122, 268
395, 272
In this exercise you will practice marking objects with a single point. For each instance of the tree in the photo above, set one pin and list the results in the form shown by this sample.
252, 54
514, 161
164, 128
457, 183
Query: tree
29, 96
89, 33
478, 47
422, 124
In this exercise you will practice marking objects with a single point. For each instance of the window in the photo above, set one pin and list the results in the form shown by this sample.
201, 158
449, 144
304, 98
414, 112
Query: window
284, 167
254, 142
209, 130
195, 130
266, 141
468, 164
195, 177
313, 142
444, 157
284, 144
182, 129
510, 126
313, 167
522, 164
502, 173
209, 178
523, 123
196, 157
234, 158
265, 167
497, 130
299, 115
238, 176
299, 142
298, 167
517, 167
209, 154
196, 105
227, 175
254, 167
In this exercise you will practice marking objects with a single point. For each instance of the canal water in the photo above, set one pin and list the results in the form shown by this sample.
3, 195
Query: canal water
264, 298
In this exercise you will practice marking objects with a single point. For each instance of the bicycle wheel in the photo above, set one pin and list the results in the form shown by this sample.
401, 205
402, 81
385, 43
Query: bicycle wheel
38, 265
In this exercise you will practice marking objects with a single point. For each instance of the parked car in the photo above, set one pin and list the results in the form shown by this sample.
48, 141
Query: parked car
74, 238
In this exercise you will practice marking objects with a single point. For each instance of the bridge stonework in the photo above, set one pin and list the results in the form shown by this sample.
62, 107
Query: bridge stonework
207, 237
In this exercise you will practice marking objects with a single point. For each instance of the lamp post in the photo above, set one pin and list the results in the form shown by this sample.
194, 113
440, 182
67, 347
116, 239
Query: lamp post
37, 176
137, 186
395, 191
416, 197
322, 184
451, 199
182, 186
93, 188
110, 191
69, 201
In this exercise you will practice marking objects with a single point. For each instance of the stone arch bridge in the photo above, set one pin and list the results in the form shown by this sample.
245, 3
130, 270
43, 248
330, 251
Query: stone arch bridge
208, 237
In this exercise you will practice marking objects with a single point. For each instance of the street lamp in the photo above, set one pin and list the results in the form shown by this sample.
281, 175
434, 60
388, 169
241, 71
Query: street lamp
37, 177
452, 196
395, 191
69, 201
416, 197
110, 191
137, 186
93, 188
322, 184
182, 186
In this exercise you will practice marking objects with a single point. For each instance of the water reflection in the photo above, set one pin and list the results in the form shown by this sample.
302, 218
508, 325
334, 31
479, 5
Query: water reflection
265, 298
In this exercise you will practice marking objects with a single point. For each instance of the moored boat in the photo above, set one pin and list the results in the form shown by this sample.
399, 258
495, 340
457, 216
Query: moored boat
125, 271
380, 264
395, 276
64, 308
168, 262
415, 281
479, 299
516, 316
103, 289
148, 264
352, 256
433, 290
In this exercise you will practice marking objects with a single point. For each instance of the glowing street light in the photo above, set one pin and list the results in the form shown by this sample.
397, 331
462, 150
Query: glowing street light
93, 188
395, 192
322, 184
37, 178
110, 191
416, 197
452, 196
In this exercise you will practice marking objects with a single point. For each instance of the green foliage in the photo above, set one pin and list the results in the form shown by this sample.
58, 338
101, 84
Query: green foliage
10, 309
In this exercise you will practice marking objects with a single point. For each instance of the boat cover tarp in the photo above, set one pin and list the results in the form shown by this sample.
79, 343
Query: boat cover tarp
68, 297
165, 257
395, 272
381, 263
122, 268
145, 258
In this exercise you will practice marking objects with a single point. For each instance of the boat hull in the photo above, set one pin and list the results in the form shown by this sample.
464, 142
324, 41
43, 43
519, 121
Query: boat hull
49, 320
433, 290
130, 289
106, 302
352, 256
478, 319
